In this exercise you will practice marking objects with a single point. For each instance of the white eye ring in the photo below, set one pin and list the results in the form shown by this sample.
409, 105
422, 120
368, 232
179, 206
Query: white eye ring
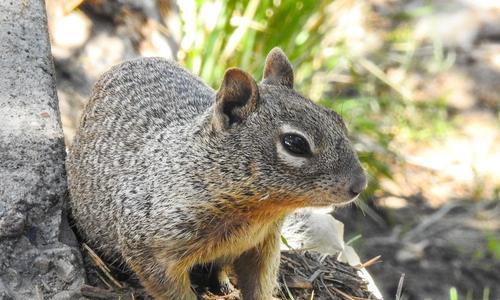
285, 155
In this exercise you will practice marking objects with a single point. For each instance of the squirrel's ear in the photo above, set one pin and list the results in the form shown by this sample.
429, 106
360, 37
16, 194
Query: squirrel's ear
236, 99
278, 70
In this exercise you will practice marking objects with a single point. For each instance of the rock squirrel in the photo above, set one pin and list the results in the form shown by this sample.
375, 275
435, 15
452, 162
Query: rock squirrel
168, 174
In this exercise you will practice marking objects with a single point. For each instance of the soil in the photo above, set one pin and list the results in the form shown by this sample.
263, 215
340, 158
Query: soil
436, 249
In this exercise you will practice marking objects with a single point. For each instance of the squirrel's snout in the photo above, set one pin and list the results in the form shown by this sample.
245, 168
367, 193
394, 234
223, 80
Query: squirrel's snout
358, 183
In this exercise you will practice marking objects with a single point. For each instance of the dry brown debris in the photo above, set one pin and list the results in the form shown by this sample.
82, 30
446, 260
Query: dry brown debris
303, 276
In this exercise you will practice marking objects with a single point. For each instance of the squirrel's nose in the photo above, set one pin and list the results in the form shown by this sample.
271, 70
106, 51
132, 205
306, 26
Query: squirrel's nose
358, 184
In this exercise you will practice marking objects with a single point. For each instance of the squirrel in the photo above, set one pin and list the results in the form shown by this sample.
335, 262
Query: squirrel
168, 174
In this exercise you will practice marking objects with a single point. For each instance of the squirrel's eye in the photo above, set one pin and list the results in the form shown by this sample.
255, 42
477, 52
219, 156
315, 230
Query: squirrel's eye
296, 144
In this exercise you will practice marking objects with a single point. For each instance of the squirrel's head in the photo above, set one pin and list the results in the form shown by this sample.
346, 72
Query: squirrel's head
283, 142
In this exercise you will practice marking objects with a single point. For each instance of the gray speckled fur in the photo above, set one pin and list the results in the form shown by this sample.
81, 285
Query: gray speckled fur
153, 181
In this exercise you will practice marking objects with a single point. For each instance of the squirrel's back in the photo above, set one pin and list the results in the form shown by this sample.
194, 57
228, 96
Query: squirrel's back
142, 91
136, 103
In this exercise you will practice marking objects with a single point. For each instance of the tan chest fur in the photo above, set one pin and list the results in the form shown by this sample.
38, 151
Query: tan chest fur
231, 240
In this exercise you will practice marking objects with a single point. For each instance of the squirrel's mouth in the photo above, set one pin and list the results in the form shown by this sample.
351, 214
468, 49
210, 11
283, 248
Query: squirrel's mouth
346, 203
333, 201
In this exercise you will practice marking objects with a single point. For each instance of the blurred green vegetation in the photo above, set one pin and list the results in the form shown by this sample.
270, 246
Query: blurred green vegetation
241, 33
493, 245
330, 68
454, 295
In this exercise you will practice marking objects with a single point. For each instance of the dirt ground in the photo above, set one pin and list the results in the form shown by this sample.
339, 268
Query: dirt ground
438, 221
436, 249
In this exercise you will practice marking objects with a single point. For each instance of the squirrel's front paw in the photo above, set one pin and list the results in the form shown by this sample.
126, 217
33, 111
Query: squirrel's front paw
224, 287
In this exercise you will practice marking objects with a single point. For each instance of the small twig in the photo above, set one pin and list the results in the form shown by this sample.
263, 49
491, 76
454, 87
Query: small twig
291, 261
304, 261
104, 281
287, 289
348, 297
326, 288
312, 295
370, 262
353, 239
314, 275
298, 283
101, 265
400, 286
